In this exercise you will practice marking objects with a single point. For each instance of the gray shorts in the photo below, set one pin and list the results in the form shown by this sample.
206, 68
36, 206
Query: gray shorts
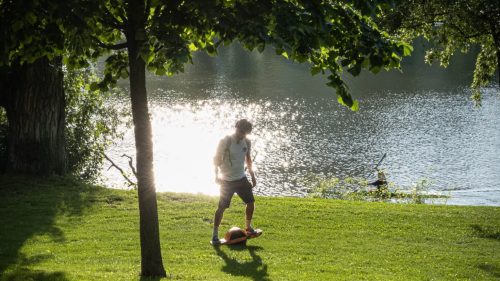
242, 187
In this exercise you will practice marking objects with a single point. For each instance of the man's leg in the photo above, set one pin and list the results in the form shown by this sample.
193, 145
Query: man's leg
219, 214
226, 193
249, 214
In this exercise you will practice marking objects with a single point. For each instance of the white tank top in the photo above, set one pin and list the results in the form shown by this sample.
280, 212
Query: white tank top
233, 166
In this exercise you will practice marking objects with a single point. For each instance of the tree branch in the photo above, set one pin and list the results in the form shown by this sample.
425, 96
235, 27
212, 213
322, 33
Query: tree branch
456, 27
159, 48
110, 47
114, 26
130, 164
119, 169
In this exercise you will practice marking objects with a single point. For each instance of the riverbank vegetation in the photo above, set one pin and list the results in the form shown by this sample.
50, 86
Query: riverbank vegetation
61, 229
420, 191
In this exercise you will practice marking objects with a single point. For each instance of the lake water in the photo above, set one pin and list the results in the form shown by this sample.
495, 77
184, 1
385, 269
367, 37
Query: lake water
422, 118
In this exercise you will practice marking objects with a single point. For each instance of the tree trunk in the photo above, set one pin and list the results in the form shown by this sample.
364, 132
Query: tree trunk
35, 105
152, 265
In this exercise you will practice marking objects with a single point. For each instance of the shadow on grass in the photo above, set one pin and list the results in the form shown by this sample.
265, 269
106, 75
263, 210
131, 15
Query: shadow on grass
486, 232
28, 208
491, 270
254, 269
22, 271
151, 278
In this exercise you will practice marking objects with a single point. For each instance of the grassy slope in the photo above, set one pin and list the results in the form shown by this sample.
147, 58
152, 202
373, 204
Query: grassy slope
61, 230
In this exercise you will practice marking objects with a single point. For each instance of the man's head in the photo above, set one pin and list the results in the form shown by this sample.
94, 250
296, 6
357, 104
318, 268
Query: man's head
243, 128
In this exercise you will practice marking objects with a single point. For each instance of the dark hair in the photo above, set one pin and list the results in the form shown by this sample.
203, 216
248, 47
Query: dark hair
244, 125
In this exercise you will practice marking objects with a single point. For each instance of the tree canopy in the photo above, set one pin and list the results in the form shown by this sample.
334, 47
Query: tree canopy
454, 25
330, 35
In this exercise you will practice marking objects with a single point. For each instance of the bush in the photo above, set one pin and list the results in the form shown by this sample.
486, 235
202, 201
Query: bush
91, 124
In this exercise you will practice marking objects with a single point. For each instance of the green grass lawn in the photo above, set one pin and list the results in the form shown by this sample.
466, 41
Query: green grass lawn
60, 229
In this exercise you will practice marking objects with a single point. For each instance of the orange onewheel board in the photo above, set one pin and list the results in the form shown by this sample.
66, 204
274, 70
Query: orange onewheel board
237, 235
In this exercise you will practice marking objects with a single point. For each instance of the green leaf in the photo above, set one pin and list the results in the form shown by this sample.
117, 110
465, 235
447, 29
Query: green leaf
193, 47
376, 61
375, 69
124, 73
172, 68
345, 62
355, 70
288, 48
407, 50
147, 57
94, 86
31, 18
18, 24
28, 39
103, 88
211, 50
301, 58
315, 70
249, 45
229, 3
261, 48
365, 63
355, 106
160, 71
30, 59
340, 100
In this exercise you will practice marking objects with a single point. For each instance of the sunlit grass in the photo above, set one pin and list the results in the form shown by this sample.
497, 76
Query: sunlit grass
59, 229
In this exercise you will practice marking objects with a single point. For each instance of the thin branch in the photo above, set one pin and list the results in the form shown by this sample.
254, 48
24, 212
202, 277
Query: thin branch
115, 26
119, 169
456, 27
159, 48
130, 164
110, 47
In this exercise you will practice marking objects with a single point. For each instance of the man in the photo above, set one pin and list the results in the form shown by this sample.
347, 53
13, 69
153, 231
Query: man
231, 155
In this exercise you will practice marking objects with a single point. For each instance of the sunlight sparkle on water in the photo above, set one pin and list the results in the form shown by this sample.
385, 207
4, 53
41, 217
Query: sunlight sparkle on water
185, 137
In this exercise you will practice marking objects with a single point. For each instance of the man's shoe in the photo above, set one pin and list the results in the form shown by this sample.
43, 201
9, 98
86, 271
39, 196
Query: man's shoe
215, 241
251, 231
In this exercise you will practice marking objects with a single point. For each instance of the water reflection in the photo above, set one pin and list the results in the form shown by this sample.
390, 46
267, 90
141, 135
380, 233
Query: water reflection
422, 118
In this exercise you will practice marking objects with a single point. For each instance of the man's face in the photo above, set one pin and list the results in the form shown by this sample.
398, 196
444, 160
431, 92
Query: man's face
240, 134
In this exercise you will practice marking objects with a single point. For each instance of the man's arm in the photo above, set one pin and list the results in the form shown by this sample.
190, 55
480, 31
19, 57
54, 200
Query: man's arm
248, 160
218, 158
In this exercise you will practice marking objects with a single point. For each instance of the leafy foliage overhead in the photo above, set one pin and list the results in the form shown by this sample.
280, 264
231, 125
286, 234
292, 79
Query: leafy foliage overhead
331, 35
454, 25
